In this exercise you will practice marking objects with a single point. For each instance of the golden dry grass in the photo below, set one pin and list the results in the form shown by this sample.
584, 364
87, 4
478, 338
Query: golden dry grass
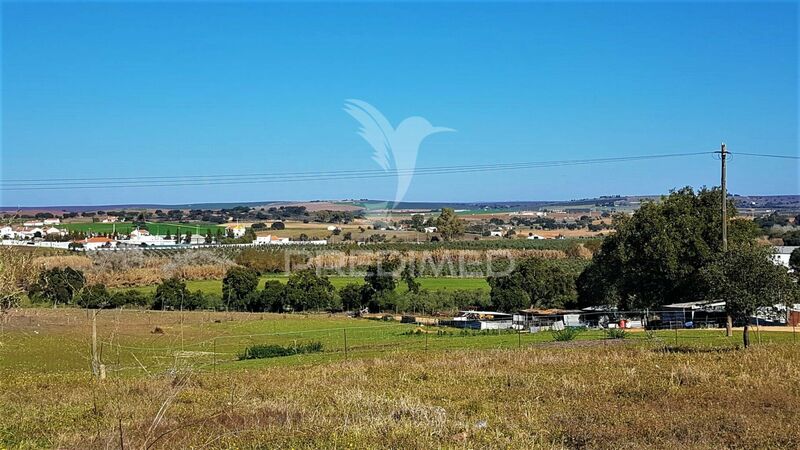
560, 395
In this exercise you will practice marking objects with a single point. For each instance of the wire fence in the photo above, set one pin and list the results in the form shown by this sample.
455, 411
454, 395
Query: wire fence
155, 342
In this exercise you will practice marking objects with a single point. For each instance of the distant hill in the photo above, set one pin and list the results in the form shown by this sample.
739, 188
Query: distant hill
788, 203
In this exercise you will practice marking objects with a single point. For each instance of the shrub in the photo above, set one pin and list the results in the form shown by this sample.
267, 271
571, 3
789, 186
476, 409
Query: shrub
275, 351
95, 296
615, 333
131, 297
567, 334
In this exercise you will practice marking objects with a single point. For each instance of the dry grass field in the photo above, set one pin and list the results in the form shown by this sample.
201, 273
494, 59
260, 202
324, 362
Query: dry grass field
489, 393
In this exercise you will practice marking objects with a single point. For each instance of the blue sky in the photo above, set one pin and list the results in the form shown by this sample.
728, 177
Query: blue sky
133, 89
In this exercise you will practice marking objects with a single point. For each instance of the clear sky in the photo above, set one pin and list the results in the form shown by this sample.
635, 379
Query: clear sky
144, 89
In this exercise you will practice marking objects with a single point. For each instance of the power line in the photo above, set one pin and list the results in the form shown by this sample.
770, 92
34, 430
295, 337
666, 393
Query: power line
256, 178
761, 155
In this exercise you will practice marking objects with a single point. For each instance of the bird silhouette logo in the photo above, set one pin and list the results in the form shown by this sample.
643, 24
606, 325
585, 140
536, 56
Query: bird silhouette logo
394, 149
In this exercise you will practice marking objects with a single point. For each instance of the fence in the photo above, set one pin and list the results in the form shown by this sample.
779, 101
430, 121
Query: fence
156, 342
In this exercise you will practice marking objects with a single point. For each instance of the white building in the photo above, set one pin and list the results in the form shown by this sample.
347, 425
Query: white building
33, 223
53, 231
270, 240
238, 230
496, 233
7, 232
535, 237
54, 221
430, 229
782, 254
94, 243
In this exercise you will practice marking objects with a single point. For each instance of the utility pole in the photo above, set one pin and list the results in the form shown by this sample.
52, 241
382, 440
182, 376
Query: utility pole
724, 186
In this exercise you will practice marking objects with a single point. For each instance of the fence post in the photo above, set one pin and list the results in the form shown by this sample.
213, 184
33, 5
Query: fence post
519, 338
676, 336
426, 341
215, 355
345, 343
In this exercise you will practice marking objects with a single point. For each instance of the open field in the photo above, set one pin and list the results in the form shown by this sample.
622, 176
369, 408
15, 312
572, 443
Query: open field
214, 287
387, 390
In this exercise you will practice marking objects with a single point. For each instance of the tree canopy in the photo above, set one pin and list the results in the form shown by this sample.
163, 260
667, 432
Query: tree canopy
655, 256
534, 282
449, 225
747, 278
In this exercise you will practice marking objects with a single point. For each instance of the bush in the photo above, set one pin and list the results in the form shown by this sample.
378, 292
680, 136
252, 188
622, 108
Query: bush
276, 351
615, 333
95, 296
567, 334
279, 225
131, 297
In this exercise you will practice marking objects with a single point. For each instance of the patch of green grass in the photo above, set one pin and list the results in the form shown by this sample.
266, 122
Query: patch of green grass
155, 228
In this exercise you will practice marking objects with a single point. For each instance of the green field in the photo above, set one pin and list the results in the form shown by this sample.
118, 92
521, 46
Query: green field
153, 227
214, 287
174, 381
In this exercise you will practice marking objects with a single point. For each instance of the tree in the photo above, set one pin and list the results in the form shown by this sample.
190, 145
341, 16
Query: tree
748, 279
306, 290
57, 285
94, 296
209, 237
655, 256
351, 296
173, 294
278, 226
418, 222
449, 225
534, 282
794, 261
239, 284
408, 274
380, 277
273, 297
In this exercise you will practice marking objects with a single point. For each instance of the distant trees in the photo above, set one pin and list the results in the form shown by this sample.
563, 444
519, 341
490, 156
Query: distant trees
277, 226
449, 225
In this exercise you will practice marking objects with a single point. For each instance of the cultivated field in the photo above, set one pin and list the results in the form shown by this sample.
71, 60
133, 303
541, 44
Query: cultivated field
154, 227
390, 385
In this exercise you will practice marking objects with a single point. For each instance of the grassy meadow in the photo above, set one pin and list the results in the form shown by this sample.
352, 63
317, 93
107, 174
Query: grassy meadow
174, 381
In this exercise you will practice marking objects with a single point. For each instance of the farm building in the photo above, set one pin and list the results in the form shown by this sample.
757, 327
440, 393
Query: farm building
270, 240
97, 242
537, 319
535, 237
694, 314
430, 229
480, 320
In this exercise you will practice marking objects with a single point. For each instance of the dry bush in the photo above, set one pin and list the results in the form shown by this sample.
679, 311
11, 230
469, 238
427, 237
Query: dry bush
73, 261
17, 272
340, 260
